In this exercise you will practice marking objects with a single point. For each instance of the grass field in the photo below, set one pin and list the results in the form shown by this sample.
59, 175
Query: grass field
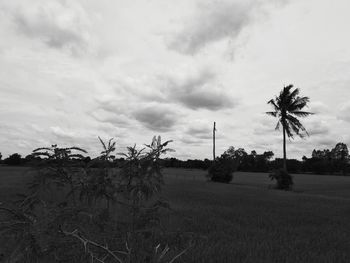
246, 221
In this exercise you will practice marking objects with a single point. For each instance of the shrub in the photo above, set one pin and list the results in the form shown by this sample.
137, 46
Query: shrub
284, 180
14, 159
222, 170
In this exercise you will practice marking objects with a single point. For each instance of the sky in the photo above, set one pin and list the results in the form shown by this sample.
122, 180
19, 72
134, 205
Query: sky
74, 70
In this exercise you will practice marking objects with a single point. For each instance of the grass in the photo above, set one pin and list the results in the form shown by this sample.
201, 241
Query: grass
245, 221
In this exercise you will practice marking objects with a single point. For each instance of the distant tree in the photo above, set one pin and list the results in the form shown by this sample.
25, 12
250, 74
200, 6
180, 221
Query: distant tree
288, 106
321, 162
87, 159
340, 151
268, 155
207, 163
0, 157
28, 159
340, 154
237, 155
328, 161
13, 159
262, 161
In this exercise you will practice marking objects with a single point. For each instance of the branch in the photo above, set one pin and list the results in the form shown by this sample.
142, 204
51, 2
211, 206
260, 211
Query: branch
87, 242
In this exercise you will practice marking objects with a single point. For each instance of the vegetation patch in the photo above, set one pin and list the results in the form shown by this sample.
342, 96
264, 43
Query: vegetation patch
73, 212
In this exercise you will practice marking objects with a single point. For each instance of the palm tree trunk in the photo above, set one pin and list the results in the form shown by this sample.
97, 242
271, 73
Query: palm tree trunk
284, 150
214, 129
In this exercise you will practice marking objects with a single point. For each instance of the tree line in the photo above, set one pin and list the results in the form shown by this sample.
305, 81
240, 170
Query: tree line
325, 161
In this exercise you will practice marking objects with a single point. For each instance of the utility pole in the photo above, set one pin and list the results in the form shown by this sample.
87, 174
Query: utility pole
214, 130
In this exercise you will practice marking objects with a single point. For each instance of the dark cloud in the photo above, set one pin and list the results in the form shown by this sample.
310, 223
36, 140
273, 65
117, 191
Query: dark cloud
200, 132
157, 117
134, 110
213, 20
199, 92
189, 140
58, 24
110, 116
205, 99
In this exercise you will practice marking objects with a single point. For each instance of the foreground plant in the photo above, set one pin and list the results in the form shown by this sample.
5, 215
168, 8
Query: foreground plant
76, 213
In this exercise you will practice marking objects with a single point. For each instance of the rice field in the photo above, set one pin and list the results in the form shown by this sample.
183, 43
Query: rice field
247, 220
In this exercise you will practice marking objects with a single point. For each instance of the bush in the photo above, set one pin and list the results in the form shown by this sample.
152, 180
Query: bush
14, 159
284, 180
222, 170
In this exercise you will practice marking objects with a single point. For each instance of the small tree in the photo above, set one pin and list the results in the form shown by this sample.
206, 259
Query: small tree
284, 180
224, 166
13, 159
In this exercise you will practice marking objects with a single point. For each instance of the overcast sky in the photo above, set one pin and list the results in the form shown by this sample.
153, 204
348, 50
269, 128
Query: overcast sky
74, 70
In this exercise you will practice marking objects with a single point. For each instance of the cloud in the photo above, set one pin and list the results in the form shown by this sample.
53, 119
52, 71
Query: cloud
199, 130
196, 132
157, 117
215, 20
263, 126
109, 116
62, 133
212, 21
343, 113
188, 140
198, 91
59, 24
325, 142
318, 128
318, 107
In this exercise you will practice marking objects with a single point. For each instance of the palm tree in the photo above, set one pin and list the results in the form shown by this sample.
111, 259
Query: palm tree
288, 106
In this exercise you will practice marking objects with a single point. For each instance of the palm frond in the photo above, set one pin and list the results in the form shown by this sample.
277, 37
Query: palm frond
166, 143
298, 103
77, 149
272, 113
296, 125
274, 104
301, 113
78, 156
294, 93
42, 149
41, 154
111, 145
278, 125
289, 131
103, 144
